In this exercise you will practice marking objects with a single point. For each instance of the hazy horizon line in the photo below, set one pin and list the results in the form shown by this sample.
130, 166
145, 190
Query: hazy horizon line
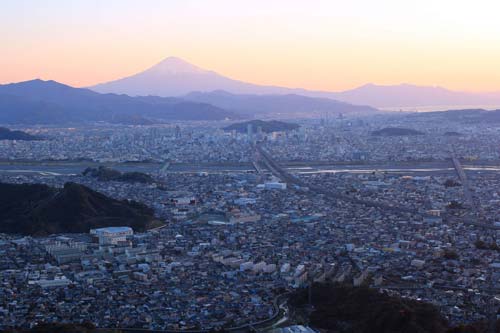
368, 83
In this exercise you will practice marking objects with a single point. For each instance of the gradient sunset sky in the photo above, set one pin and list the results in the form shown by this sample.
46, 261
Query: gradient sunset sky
315, 44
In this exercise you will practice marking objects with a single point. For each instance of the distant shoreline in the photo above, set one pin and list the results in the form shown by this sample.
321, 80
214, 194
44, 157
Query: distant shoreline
437, 108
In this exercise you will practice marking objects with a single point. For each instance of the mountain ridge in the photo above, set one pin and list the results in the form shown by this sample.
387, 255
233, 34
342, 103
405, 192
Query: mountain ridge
154, 81
411, 95
7, 134
151, 82
38, 101
283, 104
38, 209
266, 126
48, 102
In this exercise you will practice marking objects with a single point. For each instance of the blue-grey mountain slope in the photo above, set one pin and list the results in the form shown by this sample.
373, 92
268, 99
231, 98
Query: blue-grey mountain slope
176, 77
46, 102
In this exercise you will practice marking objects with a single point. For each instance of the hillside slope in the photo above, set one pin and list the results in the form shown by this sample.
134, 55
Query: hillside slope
36, 209
48, 102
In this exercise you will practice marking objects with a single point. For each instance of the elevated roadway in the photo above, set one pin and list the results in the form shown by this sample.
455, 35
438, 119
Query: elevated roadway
279, 172
463, 178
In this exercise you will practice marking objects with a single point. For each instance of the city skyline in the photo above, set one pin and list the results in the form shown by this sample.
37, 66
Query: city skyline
324, 45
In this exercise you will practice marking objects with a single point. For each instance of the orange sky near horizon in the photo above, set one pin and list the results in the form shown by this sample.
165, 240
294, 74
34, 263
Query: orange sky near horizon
317, 44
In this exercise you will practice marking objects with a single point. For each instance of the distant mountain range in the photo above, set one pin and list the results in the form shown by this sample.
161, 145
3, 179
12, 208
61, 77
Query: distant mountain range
48, 102
176, 77
283, 104
37, 209
147, 97
407, 95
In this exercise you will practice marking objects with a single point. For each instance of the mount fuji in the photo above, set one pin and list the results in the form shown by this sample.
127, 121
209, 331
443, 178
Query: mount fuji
176, 77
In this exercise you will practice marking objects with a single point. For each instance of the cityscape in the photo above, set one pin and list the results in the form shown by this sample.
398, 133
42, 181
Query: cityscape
181, 200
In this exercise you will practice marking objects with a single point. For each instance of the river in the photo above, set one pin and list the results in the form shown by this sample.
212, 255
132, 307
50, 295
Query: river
74, 168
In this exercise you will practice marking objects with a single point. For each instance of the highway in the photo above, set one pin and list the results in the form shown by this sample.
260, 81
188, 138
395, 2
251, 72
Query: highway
279, 172
475, 207
463, 178
292, 180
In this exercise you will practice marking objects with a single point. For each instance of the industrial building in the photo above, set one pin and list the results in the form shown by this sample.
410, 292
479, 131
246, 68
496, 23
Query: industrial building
112, 235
